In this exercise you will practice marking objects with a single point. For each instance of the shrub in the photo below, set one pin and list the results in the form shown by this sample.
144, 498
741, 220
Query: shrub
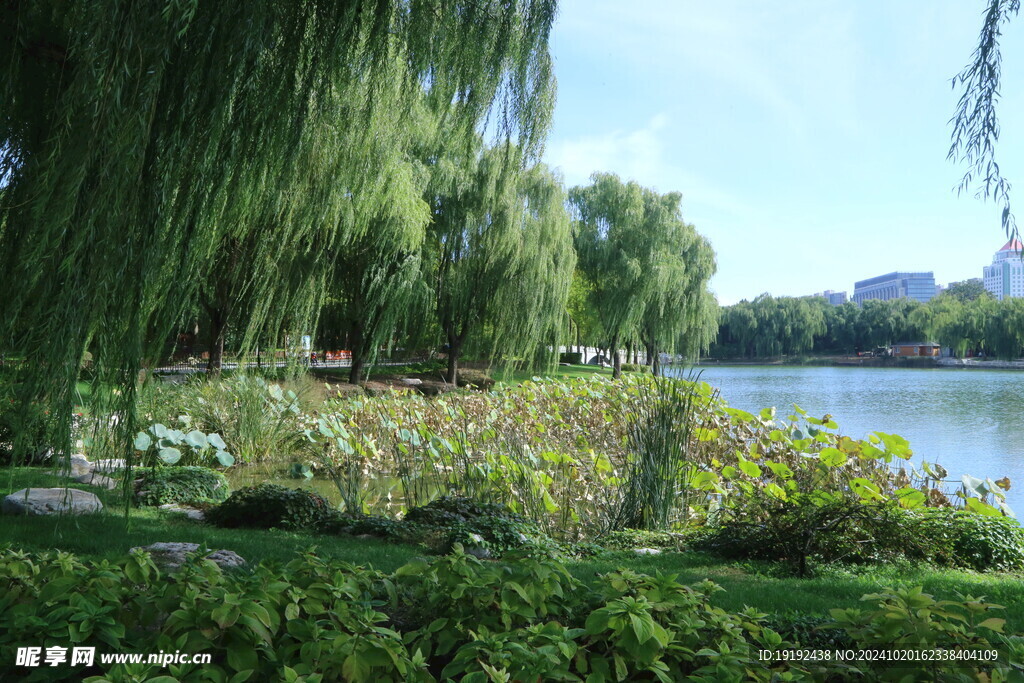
573, 358
813, 528
964, 539
627, 539
453, 618
162, 485
270, 505
487, 525
258, 421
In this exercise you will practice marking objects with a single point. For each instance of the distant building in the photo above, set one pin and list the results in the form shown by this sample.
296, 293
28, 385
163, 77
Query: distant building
834, 298
1005, 277
905, 349
919, 286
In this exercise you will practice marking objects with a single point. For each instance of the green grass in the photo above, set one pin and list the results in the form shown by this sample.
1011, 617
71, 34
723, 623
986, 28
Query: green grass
509, 376
753, 584
109, 535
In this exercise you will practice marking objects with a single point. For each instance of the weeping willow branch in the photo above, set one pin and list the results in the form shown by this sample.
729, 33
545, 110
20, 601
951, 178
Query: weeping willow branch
149, 134
975, 126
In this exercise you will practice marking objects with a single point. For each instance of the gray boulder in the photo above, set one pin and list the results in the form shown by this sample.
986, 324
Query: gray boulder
170, 556
95, 479
108, 466
190, 512
50, 501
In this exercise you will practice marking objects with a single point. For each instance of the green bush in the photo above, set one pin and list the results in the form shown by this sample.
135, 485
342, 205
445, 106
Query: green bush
572, 358
814, 529
258, 421
964, 539
272, 506
628, 539
453, 618
189, 485
460, 520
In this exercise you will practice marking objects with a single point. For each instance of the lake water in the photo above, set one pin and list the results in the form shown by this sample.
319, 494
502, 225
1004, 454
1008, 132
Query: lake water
969, 421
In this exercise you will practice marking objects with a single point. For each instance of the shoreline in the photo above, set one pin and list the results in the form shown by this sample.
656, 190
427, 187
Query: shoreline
852, 361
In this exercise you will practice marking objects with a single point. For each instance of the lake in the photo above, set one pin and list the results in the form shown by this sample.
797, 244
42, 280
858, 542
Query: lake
969, 421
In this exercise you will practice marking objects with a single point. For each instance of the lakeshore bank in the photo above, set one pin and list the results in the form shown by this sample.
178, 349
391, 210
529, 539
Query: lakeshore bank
871, 362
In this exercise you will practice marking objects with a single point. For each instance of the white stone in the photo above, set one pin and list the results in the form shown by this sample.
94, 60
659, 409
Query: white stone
170, 556
647, 551
191, 513
411, 381
109, 465
96, 479
51, 501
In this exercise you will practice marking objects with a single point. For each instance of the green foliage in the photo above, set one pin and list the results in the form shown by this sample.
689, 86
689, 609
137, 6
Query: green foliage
645, 270
659, 468
504, 254
161, 485
272, 506
485, 525
912, 617
23, 429
457, 618
573, 358
174, 446
104, 134
259, 421
628, 539
962, 539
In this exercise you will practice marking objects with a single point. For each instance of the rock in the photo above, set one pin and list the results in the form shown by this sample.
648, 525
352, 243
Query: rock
479, 553
411, 381
80, 465
170, 556
432, 388
96, 479
108, 466
50, 501
190, 512
647, 551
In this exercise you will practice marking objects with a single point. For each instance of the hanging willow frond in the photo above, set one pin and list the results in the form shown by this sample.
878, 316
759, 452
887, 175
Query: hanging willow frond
975, 126
138, 138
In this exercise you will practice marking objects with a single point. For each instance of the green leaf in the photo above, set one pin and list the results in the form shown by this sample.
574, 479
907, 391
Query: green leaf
143, 441
215, 441
196, 439
832, 457
170, 455
225, 458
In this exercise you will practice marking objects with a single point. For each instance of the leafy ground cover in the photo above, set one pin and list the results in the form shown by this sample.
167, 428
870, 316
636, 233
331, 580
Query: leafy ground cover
762, 585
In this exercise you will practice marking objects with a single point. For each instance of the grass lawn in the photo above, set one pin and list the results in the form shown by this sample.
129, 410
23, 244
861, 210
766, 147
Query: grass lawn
561, 372
108, 535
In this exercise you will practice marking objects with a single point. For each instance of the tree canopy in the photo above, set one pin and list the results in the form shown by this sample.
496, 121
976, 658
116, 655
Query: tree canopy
137, 140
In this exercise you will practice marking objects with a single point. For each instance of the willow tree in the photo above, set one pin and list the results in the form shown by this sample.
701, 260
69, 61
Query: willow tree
678, 310
136, 136
377, 279
618, 254
501, 246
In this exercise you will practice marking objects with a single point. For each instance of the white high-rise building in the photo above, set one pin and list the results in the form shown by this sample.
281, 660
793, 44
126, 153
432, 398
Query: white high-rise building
1005, 277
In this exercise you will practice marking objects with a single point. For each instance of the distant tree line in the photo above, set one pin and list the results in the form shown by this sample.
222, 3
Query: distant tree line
964, 319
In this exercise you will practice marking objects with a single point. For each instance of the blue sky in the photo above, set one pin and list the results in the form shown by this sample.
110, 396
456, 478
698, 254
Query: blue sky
808, 137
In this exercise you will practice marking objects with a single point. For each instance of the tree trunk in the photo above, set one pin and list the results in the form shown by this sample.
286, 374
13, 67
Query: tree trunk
218, 324
616, 360
355, 373
652, 358
454, 349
